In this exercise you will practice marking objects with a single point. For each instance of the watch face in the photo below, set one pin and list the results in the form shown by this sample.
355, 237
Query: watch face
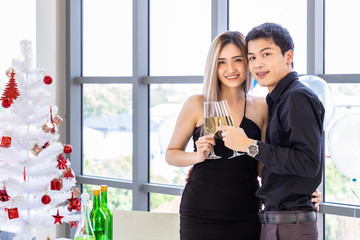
253, 150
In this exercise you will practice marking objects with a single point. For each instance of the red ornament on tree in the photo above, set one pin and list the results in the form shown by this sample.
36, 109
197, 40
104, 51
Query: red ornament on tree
68, 173
57, 120
46, 199
61, 162
47, 79
5, 142
47, 127
74, 203
75, 192
4, 196
72, 224
57, 218
6, 103
52, 121
11, 91
45, 145
13, 213
56, 184
67, 149
36, 150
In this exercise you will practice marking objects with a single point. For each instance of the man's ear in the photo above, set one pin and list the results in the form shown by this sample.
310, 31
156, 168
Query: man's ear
289, 55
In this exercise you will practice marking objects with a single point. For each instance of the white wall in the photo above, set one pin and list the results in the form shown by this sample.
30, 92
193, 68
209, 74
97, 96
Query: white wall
51, 54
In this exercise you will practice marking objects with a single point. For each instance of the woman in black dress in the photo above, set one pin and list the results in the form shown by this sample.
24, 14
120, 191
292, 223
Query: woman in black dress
219, 199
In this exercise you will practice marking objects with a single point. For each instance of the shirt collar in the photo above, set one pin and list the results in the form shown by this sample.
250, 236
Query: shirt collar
281, 87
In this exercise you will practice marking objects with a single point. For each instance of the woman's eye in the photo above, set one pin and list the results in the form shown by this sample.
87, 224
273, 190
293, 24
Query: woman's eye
221, 62
238, 60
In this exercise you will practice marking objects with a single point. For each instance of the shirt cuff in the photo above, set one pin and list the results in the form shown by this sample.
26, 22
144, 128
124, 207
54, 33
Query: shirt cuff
264, 152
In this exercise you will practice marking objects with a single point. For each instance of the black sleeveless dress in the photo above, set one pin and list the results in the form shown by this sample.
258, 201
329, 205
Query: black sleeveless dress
219, 199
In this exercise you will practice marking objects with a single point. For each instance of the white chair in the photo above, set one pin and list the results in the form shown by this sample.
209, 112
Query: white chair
138, 225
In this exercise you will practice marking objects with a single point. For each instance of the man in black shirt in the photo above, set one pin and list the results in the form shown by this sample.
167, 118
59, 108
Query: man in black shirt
293, 151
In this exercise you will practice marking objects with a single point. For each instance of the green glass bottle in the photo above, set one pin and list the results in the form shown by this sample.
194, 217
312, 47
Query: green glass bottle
108, 214
97, 217
84, 230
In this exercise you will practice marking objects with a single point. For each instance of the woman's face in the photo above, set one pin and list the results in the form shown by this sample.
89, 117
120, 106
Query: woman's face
231, 66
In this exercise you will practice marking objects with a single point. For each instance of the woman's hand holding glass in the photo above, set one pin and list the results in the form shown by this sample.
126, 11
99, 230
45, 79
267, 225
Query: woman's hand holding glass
203, 147
211, 123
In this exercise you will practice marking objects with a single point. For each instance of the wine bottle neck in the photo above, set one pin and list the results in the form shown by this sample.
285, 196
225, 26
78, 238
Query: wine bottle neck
103, 198
96, 202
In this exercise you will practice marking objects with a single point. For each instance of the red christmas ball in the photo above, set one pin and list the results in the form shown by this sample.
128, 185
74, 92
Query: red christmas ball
46, 199
47, 79
6, 103
67, 149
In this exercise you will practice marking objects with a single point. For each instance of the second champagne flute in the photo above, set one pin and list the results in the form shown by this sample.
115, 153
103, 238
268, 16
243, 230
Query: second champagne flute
211, 123
228, 120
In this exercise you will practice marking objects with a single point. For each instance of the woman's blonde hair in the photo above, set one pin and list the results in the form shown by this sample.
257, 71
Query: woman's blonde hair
211, 82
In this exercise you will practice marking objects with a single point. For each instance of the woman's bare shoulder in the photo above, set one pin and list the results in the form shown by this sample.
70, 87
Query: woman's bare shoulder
194, 108
196, 99
257, 99
259, 102
194, 103
258, 109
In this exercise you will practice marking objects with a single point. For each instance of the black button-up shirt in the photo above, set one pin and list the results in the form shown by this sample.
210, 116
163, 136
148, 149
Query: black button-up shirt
293, 151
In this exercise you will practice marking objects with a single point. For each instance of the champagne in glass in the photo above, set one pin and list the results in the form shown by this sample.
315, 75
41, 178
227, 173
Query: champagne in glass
228, 120
211, 122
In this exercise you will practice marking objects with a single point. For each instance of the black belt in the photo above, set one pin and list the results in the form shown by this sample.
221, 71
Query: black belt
286, 217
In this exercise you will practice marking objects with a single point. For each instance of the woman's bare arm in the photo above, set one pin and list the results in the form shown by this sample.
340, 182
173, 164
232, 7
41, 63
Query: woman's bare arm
190, 116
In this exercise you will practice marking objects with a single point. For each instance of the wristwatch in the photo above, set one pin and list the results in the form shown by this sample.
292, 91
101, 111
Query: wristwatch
253, 149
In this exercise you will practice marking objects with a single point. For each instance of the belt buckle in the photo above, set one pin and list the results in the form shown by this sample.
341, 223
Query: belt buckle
283, 218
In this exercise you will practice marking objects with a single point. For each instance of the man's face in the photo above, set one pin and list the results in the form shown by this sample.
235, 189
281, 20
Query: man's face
266, 63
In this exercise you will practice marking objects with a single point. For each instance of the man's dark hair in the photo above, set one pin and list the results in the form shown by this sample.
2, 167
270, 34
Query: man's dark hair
273, 32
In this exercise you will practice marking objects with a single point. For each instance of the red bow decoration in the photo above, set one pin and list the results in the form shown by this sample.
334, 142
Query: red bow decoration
74, 203
62, 162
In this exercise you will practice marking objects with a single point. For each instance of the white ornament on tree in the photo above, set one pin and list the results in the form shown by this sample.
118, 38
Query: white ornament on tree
25, 176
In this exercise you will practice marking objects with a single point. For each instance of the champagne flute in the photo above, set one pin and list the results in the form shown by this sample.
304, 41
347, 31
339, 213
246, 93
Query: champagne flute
211, 116
226, 119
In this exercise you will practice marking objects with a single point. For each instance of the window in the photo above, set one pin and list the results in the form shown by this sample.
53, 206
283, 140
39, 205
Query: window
338, 187
178, 44
339, 227
107, 130
340, 37
164, 203
107, 35
166, 103
244, 16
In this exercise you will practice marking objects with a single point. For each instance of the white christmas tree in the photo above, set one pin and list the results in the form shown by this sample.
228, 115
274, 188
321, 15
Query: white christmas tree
37, 185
